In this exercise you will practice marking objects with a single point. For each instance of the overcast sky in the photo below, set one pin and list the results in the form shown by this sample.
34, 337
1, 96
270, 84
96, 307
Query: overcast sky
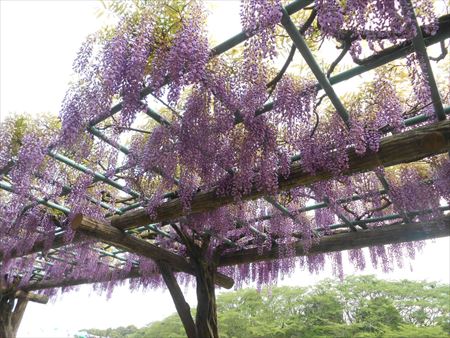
38, 42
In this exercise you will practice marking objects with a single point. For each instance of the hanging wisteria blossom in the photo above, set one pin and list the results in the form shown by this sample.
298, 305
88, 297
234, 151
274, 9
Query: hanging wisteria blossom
242, 165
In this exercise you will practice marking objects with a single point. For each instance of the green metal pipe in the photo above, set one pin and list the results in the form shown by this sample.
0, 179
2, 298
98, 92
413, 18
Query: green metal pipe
385, 218
94, 131
285, 211
95, 174
155, 228
155, 116
67, 189
8, 187
425, 65
52, 254
302, 47
388, 55
104, 205
151, 113
393, 53
408, 123
110, 254
422, 117
232, 42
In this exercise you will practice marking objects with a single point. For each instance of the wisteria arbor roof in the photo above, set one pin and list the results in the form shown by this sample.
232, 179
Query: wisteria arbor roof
244, 153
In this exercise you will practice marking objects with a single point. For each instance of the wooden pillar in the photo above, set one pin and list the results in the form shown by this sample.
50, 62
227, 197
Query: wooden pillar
205, 325
183, 308
11, 313
19, 310
6, 311
13, 303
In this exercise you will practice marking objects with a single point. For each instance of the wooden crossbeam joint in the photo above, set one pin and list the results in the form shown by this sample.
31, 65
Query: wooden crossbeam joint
107, 233
32, 297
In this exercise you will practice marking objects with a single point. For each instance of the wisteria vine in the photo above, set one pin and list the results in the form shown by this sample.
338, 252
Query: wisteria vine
213, 136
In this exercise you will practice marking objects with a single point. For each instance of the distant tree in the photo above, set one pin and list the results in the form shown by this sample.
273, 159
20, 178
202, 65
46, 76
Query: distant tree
119, 332
418, 303
169, 327
359, 306
378, 312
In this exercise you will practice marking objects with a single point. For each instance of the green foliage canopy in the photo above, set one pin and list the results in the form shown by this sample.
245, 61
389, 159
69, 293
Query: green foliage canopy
359, 306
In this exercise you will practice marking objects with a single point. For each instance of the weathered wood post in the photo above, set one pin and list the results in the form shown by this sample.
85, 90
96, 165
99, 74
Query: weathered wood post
12, 307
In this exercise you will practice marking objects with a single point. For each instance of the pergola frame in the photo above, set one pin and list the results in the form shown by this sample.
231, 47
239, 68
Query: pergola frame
129, 220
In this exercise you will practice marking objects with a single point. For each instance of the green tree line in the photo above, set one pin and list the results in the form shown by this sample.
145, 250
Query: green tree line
358, 306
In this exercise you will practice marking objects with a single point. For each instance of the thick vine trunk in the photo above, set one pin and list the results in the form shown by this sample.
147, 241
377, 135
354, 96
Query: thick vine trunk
205, 325
11, 313
17, 316
6, 330
205, 275
6, 311
206, 317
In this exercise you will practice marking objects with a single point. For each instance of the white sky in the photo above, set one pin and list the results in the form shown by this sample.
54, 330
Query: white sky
38, 42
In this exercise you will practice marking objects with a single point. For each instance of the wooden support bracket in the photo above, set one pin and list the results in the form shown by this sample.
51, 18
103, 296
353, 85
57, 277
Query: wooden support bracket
32, 297
109, 234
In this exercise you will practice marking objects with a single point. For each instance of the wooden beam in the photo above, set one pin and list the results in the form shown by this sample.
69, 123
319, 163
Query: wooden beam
32, 297
67, 282
409, 146
388, 234
109, 234
337, 242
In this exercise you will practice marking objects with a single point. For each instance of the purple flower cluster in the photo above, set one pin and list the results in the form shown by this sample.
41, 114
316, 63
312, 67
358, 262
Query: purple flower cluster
187, 58
374, 21
259, 19
258, 15
6, 139
441, 177
330, 16
418, 74
413, 194
29, 159
326, 150
203, 148
383, 112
